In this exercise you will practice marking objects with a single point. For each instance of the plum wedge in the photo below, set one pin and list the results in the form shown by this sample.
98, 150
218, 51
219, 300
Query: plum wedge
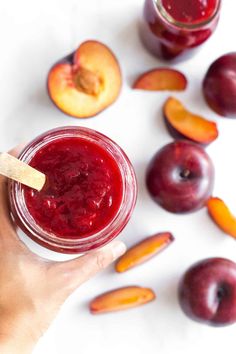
161, 79
121, 299
85, 82
143, 251
183, 124
222, 216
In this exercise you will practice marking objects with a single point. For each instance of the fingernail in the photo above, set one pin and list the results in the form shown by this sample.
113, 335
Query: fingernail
118, 248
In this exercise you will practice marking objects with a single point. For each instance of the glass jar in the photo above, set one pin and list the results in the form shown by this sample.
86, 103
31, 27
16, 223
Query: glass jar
168, 38
27, 223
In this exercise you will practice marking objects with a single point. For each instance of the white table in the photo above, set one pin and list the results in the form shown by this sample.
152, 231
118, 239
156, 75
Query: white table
35, 34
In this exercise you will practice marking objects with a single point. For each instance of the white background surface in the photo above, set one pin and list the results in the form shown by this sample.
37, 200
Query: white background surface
35, 34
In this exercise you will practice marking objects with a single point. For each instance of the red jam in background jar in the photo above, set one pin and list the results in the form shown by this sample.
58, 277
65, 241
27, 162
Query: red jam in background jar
190, 11
173, 28
83, 190
89, 194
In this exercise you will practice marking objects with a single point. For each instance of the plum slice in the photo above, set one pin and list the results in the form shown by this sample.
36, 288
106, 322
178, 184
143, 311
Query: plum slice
184, 124
161, 79
222, 216
144, 251
121, 299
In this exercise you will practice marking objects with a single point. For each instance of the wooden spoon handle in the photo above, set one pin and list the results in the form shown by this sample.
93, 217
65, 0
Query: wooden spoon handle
19, 171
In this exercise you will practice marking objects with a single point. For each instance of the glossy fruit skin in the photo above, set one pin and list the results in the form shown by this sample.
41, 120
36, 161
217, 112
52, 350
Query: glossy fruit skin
219, 86
207, 292
180, 177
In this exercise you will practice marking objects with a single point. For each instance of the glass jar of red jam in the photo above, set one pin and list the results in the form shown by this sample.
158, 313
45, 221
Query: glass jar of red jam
89, 194
172, 29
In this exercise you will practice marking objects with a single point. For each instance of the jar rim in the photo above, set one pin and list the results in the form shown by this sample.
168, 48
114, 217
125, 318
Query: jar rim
183, 25
120, 219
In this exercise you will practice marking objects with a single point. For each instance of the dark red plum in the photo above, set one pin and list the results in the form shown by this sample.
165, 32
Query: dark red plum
207, 292
219, 86
180, 177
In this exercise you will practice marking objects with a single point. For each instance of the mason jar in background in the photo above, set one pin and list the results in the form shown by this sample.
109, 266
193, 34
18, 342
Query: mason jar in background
173, 29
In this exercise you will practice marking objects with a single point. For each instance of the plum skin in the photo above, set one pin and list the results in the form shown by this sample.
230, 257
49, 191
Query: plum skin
219, 86
180, 177
207, 292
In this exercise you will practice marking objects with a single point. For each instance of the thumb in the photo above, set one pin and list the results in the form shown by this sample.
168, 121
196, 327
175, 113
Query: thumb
5, 220
79, 270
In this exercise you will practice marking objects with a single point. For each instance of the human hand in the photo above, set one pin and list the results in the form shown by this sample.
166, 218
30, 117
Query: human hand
32, 289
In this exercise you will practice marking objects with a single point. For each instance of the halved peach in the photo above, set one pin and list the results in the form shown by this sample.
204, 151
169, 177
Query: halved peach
143, 251
161, 79
85, 82
184, 124
222, 216
121, 299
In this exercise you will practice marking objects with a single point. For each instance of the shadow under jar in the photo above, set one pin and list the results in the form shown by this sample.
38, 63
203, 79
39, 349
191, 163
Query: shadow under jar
173, 29
89, 194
